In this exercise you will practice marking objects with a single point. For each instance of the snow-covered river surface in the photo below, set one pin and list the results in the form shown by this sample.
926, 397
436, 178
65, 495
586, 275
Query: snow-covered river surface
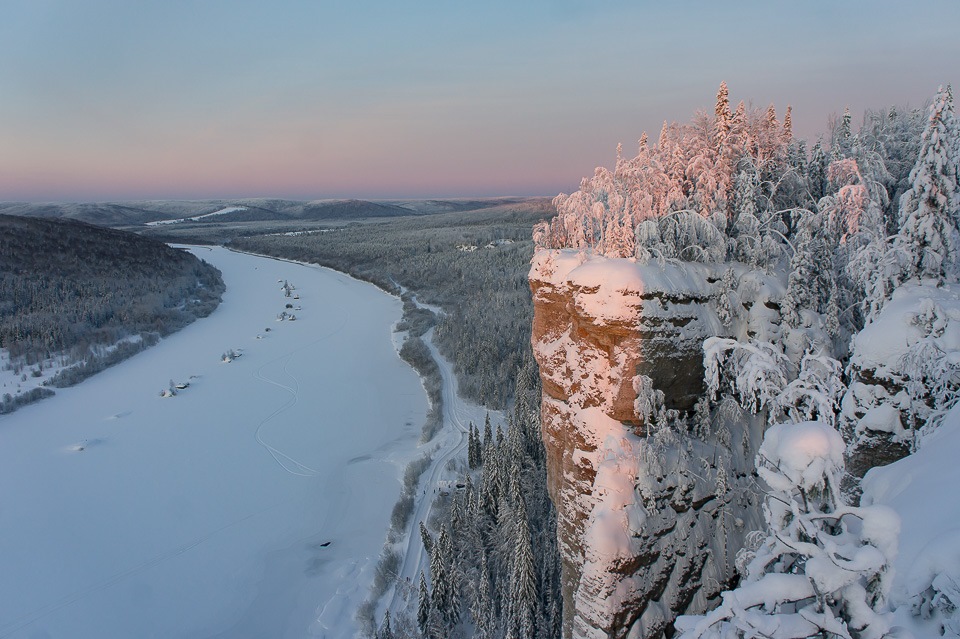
254, 503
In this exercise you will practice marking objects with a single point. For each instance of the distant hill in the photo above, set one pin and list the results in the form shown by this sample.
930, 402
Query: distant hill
161, 212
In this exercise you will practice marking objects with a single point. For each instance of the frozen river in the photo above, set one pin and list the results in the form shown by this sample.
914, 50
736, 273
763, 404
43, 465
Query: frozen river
252, 504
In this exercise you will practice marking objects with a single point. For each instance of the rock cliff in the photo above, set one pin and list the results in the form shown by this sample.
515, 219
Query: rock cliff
649, 514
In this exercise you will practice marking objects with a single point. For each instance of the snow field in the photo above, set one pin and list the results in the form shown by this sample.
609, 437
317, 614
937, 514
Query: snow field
922, 489
196, 218
253, 502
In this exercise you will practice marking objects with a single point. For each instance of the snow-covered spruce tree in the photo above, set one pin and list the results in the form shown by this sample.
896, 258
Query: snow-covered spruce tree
811, 282
423, 608
928, 242
722, 117
843, 136
385, 631
444, 611
523, 585
502, 560
824, 568
817, 172
746, 229
481, 609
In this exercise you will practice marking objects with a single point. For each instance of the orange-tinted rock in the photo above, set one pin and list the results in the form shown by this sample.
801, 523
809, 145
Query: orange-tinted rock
598, 323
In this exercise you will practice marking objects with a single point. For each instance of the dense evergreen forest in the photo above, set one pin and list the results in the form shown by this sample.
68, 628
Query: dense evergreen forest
494, 563
75, 298
473, 265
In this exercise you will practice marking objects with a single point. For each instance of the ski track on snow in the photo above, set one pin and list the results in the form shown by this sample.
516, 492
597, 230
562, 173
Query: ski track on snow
298, 468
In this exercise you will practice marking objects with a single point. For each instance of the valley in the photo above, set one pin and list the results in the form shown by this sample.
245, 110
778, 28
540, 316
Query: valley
255, 498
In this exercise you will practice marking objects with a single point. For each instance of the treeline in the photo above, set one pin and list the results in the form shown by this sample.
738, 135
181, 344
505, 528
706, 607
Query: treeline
90, 296
736, 185
471, 264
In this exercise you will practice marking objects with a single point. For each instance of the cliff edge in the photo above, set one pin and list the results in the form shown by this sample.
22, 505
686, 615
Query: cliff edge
649, 511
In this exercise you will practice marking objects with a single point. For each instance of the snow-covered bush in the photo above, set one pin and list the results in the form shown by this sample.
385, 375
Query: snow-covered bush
754, 371
824, 567
815, 393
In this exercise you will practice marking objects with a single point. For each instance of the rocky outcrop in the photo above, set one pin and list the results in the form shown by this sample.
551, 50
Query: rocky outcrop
915, 337
648, 517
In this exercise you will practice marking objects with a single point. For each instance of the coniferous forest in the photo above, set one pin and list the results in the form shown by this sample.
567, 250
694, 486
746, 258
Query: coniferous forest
494, 565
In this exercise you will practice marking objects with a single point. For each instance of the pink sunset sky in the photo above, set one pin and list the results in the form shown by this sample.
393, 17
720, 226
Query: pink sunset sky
118, 100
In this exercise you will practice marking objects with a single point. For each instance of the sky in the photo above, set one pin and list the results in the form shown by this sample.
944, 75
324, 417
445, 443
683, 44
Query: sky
305, 99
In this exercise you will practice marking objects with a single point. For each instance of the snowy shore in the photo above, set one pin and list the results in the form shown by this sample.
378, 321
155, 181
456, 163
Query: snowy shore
252, 502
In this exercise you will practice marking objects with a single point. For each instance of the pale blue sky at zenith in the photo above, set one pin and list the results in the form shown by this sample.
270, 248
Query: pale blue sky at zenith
126, 99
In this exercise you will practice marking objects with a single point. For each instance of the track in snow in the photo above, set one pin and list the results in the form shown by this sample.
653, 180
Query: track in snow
285, 461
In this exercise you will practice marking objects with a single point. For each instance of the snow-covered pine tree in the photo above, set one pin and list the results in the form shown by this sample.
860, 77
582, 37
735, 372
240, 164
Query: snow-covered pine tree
423, 609
824, 567
811, 280
928, 242
722, 117
523, 584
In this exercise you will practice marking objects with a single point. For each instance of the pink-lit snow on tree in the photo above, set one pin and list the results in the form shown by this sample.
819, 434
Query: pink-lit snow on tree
691, 169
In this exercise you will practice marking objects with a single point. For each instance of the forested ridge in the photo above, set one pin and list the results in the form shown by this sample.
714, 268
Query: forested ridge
78, 297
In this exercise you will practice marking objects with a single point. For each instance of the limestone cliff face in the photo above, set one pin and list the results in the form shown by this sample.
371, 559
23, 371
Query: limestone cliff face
644, 531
